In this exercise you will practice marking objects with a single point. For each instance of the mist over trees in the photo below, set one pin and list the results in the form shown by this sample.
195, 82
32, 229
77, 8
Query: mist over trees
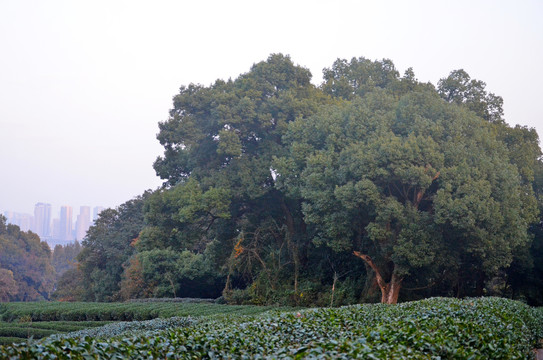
371, 187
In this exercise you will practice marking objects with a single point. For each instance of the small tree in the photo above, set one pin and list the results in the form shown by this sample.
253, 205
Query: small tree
8, 285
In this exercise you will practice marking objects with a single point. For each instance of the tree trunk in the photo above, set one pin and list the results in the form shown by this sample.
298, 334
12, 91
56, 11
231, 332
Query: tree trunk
168, 276
369, 291
480, 284
302, 244
227, 285
333, 289
291, 231
390, 290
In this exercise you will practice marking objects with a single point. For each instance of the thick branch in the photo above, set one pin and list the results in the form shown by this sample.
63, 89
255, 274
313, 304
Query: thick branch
288, 217
389, 291
380, 281
293, 247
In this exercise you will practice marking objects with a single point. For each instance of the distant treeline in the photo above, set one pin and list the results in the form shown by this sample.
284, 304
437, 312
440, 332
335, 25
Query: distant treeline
369, 187
29, 269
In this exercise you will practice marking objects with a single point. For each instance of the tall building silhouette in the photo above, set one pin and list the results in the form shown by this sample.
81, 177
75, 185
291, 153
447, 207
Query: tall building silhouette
66, 227
24, 221
83, 222
42, 220
96, 211
56, 229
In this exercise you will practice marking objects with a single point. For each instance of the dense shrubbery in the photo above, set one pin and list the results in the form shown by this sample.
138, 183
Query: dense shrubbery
486, 328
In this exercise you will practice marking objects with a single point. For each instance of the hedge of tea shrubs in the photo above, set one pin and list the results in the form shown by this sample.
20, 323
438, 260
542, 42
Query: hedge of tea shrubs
439, 328
128, 311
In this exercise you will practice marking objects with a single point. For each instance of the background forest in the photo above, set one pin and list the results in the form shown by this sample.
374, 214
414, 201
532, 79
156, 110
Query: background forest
370, 187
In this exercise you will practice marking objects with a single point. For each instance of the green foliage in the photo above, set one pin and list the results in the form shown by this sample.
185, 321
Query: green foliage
183, 274
129, 311
524, 278
70, 286
107, 246
418, 184
358, 77
211, 127
267, 178
181, 216
24, 332
8, 285
26, 273
65, 257
19, 321
459, 88
130, 328
488, 328
12, 332
219, 146
8, 340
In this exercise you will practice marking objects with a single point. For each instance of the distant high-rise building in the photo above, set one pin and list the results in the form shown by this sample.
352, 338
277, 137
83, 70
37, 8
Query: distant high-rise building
56, 229
96, 211
42, 220
83, 222
9, 216
23, 221
66, 228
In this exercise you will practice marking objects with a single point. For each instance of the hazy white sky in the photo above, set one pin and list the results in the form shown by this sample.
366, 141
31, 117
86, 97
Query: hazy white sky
83, 84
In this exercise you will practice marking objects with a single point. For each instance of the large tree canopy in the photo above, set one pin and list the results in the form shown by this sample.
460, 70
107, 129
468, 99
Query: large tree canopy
280, 191
409, 183
219, 147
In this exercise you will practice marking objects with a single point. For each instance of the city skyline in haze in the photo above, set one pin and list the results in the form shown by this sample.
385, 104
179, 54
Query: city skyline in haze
61, 229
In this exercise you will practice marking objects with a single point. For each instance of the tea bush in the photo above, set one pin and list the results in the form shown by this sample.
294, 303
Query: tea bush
80, 311
438, 328
132, 327
19, 331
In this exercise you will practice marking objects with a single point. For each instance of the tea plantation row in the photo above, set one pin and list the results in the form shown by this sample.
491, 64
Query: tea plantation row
11, 332
486, 328
19, 321
79, 311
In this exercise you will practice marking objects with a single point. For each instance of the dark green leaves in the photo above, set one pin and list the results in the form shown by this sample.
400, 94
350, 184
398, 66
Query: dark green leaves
488, 328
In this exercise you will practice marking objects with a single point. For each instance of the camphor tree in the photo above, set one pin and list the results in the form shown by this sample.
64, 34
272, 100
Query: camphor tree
219, 145
411, 184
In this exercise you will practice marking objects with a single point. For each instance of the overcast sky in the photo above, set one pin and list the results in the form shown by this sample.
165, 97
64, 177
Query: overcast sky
83, 84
